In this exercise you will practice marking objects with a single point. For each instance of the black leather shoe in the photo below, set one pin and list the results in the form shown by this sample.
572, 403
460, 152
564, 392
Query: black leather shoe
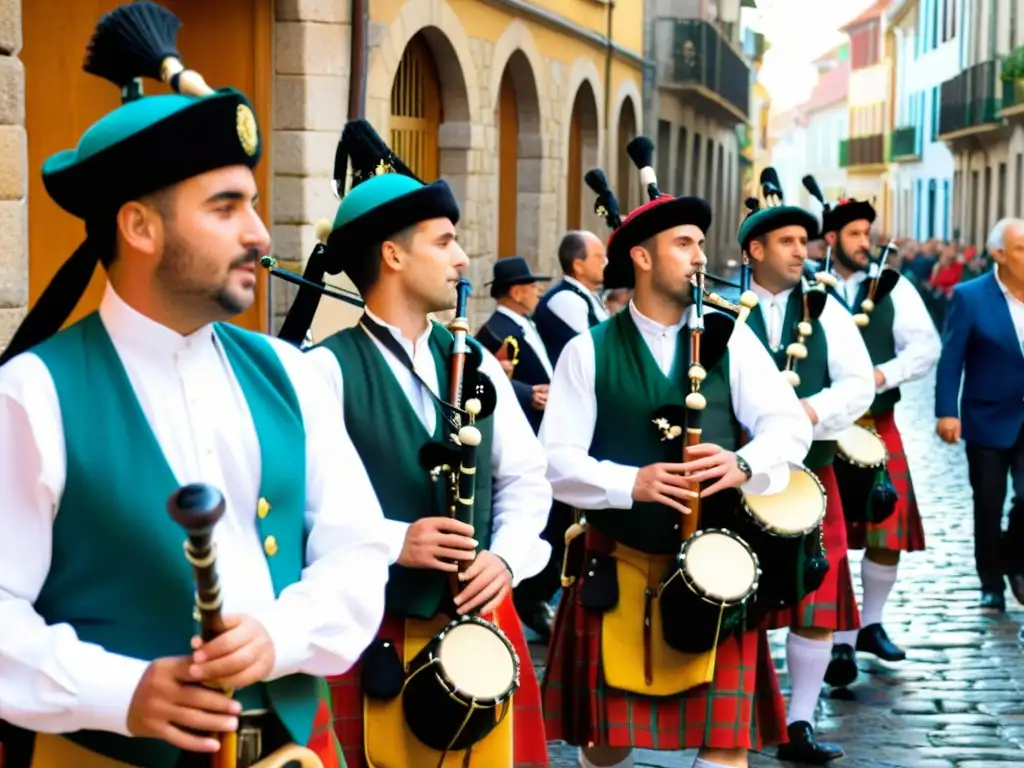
1017, 586
874, 640
993, 599
540, 617
804, 749
842, 670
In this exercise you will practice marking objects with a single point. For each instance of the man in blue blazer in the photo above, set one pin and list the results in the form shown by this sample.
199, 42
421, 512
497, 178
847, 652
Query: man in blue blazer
984, 341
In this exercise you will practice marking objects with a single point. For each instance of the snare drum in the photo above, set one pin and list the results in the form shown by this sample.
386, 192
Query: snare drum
703, 597
460, 685
782, 528
861, 457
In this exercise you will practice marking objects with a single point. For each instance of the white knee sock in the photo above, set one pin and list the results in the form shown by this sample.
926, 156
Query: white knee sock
878, 581
845, 637
700, 762
584, 763
807, 661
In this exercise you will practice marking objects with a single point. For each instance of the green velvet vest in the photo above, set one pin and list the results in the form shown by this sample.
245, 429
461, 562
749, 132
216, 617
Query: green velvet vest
125, 584
629, 387
813, 370
878, 338
388, 436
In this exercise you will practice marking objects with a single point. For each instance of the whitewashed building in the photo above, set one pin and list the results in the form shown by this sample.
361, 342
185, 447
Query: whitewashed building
922, 36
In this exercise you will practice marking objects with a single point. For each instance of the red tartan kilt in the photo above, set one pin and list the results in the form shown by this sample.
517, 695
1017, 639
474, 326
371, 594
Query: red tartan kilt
529, 742
902, 531
833, 605
742, 708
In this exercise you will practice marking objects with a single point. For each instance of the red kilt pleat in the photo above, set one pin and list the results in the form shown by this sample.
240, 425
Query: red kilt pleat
903, 531
833, 605
742, 708
530, 749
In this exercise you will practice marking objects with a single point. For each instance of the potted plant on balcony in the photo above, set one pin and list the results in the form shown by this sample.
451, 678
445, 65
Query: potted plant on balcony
1012, 75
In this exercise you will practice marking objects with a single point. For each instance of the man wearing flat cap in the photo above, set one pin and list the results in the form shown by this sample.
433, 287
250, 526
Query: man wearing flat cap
395, 237
611, 684
834, 382
102, 422
903, 345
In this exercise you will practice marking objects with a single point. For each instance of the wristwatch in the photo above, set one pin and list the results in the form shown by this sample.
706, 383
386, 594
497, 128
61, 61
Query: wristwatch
743, 466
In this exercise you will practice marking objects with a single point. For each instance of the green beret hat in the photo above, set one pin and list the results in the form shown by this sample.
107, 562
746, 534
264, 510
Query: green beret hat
767, 220
149, 144
644, 223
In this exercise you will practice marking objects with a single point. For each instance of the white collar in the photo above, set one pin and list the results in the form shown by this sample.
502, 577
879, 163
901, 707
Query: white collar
645, 323
763, 293
410, 347
135, 331
519, 319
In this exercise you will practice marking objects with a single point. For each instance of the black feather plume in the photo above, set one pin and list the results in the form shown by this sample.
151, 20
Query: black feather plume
753, 204
132, 41
812, 187
641, 152
605, 205
770, 184
361, 145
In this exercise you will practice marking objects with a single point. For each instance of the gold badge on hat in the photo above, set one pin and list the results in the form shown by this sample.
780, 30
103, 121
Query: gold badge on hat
248, 134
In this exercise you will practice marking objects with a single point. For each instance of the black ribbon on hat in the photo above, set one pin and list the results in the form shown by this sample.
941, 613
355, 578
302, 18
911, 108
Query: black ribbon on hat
68, 286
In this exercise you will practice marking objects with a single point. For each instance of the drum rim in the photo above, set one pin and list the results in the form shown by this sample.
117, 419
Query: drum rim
785, 534
846, 459
701, 592
453, 692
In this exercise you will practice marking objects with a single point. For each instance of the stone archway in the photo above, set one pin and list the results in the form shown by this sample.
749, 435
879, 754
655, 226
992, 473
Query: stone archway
627, 182
520, 160
583, 152
439, 28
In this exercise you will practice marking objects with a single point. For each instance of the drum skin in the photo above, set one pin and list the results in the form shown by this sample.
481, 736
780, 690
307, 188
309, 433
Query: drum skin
860, 458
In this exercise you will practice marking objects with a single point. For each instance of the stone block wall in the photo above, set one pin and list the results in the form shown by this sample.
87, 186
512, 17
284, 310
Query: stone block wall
13, 175
312, 40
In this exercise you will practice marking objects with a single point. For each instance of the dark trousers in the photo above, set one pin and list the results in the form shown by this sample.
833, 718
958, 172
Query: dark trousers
996, 553
542, 587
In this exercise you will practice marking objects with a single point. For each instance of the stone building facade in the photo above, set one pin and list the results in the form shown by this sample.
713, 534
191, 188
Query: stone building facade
526, 98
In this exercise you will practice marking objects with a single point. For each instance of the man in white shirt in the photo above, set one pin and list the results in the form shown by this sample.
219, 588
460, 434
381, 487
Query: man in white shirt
608, 457
834, 382
101, 423
395, 238
572, 306
983, 342
904, 345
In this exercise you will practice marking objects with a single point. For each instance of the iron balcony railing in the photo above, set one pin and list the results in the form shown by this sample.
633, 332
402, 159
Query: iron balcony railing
862, 150
700, 56
905, 142
970, 99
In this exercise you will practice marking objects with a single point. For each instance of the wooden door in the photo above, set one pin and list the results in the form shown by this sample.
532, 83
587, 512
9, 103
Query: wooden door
416, 110
508, 161
227, 41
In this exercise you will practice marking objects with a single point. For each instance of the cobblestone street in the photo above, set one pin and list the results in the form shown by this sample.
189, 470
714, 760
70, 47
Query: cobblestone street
957, 699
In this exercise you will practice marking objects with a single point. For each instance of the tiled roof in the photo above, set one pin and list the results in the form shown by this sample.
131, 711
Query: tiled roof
831, 88
872, 13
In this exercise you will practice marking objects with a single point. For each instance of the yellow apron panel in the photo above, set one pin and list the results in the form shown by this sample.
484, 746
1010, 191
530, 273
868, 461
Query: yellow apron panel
388, 742
52, 751
622, 634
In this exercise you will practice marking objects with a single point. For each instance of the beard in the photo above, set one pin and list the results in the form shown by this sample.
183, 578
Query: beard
846, 260
192, 277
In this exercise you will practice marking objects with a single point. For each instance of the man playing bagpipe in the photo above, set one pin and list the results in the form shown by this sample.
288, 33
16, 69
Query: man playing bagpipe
460, 477
118, 649
638, 657
903, 345
816, 345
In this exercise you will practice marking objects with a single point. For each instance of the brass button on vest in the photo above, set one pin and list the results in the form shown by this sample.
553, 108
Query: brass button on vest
262, 508
270, 546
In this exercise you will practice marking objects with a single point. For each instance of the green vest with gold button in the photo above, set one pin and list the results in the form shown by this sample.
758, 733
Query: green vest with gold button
118, 575
389, 436
878, 338
630, 387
